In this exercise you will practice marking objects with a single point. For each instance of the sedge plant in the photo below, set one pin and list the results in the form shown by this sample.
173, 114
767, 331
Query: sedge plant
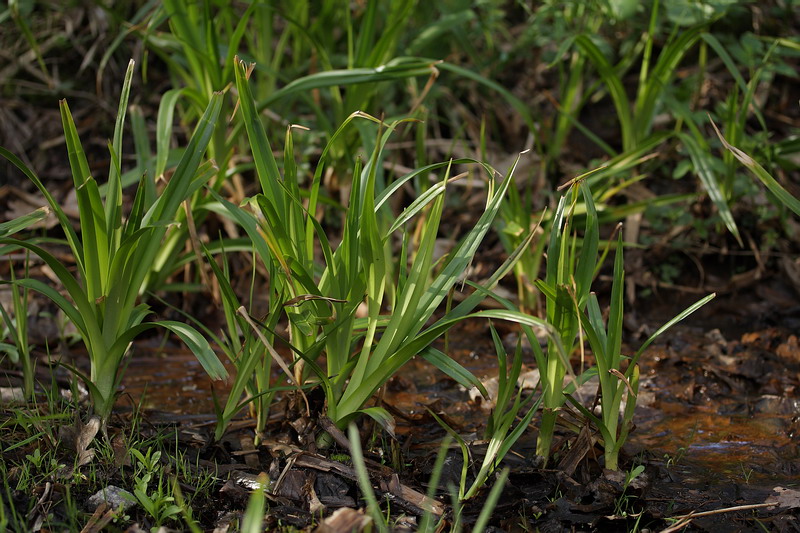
575, 312
198, 42
570, 270
618, 375
243, 343
114, 254
498, 432
320, 300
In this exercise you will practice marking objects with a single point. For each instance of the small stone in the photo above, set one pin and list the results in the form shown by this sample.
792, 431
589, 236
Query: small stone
12, 395
114, 496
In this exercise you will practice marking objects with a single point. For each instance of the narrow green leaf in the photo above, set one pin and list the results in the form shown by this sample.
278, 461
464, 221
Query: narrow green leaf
266, 167
701, 159
615, 88
680, 316
180, 185
452, 368
397, 69
166, 112
113, 207
94, 232
22, 222
760, 172
614, 341
199, 347
364, 482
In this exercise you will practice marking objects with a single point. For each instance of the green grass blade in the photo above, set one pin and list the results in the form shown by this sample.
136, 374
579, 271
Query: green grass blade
397, 69
587, 259
199, 347
760, 172
701, 159
663, 71
519, 106
166, 112
113, 207
491, 502
70, 310
22, 222
615, 88
450, 367
266, 167
726, 58
179, 186
84, 306
93, 224
614, 340
399, 182
64, 222
364, 482
680, 316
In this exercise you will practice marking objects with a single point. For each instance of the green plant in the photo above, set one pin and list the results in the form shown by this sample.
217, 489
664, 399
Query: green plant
114, 256
364, 482
498, 430
320, 300
491, 501
566, 289
746, 473
154, 500
615, 379
16, 329
574, 312
622, 502
198, 47
783, 196
656, 91
244, 342
486, 511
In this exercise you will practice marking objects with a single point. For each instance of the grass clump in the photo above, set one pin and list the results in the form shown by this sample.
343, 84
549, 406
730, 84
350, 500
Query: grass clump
114, 255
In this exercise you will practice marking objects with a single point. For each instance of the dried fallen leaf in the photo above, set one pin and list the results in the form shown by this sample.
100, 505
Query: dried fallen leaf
785, 498
344, 520
78, 437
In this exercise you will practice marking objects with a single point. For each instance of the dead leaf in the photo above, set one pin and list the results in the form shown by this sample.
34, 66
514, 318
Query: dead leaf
78, 437
344, 520
785, 498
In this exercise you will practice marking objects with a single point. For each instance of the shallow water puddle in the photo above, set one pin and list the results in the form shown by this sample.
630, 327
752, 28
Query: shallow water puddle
706, 405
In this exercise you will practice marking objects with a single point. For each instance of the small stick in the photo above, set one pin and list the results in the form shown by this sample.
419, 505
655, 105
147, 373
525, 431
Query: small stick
683, 520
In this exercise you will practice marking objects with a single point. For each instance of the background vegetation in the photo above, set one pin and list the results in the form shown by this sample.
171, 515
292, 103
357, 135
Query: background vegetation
325, 189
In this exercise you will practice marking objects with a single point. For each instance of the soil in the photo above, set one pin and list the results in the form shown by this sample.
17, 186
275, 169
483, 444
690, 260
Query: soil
717, 432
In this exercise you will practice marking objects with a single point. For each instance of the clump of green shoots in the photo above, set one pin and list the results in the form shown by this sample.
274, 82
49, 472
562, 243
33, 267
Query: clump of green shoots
575, 312
618, 375
570, 270
114, 254
320, 300
498, 432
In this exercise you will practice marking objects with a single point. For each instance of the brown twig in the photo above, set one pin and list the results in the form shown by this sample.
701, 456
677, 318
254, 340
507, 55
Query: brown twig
684, 520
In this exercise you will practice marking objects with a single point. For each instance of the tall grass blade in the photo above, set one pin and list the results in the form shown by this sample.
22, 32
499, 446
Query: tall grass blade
364, 482
760, 172
23, 222
701, 159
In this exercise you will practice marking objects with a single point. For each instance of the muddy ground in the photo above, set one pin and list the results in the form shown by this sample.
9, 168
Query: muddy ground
717, 431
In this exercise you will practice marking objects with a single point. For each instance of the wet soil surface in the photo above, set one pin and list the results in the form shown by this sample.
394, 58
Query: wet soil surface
717, 432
